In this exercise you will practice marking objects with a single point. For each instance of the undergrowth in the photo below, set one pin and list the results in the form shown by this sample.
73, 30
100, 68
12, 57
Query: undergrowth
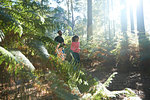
50, 76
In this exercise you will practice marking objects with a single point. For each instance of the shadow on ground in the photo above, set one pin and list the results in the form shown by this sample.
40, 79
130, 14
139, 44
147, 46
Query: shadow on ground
136, 80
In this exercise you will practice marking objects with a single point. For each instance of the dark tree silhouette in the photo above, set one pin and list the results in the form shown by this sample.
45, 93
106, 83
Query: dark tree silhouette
144, 44
124, 52
144, 48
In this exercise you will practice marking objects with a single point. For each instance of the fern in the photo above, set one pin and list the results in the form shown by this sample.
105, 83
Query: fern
109, 80
57, 86
39, 47
12, 58
22, 59
8, 22
7, 59
65, 95
1, 35
6, 54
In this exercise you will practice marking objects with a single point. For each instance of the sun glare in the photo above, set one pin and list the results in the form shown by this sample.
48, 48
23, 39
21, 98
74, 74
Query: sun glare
132, 3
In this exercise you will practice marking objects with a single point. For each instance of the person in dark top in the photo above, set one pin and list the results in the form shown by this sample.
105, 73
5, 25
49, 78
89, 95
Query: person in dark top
59, 38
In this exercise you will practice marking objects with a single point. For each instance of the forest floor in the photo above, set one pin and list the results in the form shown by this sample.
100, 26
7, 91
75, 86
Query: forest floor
133, 79
101, 69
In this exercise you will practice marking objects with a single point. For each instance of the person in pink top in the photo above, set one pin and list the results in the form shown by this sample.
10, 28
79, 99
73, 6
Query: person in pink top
75, 48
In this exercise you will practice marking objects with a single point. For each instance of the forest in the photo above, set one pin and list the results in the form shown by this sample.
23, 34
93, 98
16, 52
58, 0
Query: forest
102, 50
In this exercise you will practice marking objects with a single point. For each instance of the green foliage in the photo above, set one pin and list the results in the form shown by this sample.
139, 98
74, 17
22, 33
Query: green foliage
109, 80
74, 76
57, 85
14, 60
9, 62
27, 17
144, 47
100, 96
69, 72
130, 93
23, 25
1, 35
22, 59
40, 48
126, 51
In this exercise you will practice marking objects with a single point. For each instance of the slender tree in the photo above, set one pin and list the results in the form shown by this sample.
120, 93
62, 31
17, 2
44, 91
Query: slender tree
72, 11
113, 21
68, 9
123, 17
109, 23
131, 19
140, 18
105, 19
124, 53
68, 16
144, 44
89, 20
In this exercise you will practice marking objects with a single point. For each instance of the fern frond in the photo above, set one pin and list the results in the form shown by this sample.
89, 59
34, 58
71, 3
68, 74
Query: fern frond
11, 58
61, 93
7, 59
5, 53
8, 22
39, 47
109, 80
22, 59
1, 35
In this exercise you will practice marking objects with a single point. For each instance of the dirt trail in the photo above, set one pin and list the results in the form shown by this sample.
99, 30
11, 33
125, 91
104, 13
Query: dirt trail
134, 79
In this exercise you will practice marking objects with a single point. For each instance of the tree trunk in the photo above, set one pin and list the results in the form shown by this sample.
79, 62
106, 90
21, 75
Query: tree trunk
140, 18
124, 51
105, 20
109, 26
68, 1
123, 17
144, 48
73, 22
89, 20
68, 16
144, 44
113, 22
131, 19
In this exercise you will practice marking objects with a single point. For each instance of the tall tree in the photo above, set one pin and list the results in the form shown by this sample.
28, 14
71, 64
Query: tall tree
109, 26
123, 17
89, 20
68, 9
131, 19
73, 21
124, 52
113, 21
68, 16
105, 19
140, 18
144, 44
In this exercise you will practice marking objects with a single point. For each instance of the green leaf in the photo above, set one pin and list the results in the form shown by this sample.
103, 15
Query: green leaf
40, 48
1, 60
22, 59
